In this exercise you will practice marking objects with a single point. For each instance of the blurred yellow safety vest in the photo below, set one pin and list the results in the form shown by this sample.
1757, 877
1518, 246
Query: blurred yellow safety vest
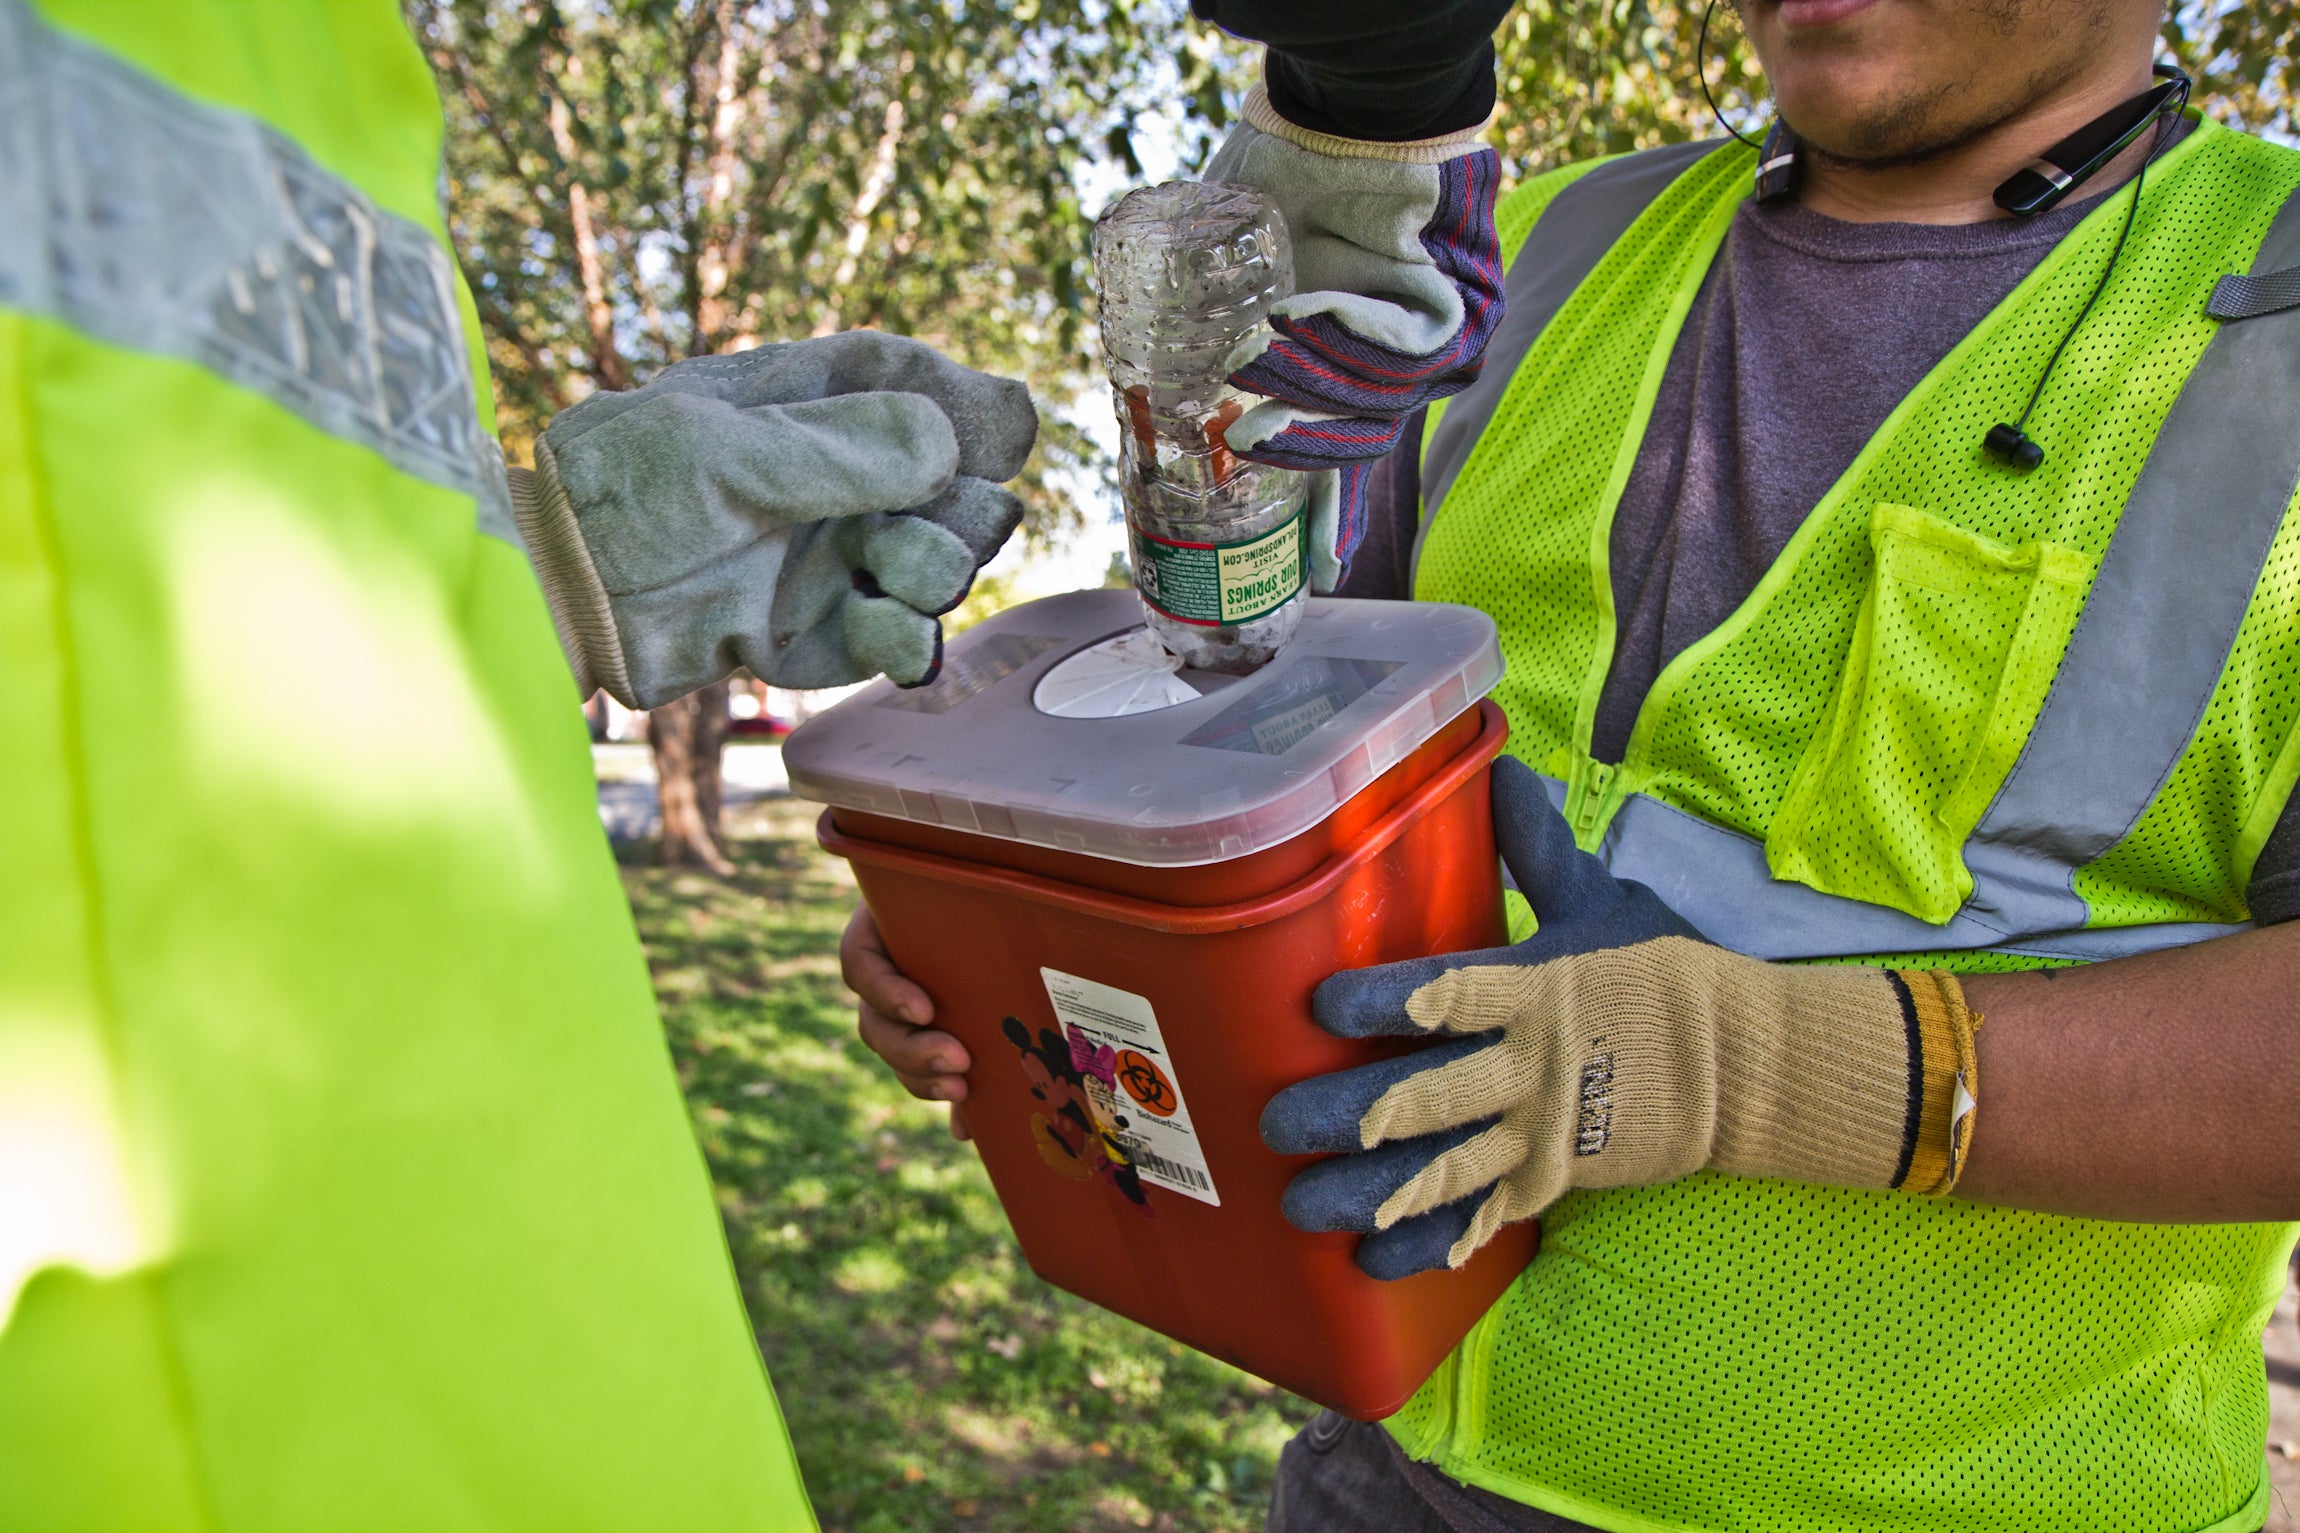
344, 1179
1970, 718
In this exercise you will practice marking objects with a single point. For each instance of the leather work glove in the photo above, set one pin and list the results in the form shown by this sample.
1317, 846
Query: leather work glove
1397, 288
807, 510
1616, 1047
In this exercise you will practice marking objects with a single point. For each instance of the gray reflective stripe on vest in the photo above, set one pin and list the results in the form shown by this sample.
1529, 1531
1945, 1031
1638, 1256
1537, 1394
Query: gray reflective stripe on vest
2174, 585
1581, 223
164, 225
2175, 582
1718, 880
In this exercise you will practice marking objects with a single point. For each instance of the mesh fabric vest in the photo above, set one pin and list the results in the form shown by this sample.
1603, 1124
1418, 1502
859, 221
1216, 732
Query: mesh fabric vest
1727, 1353
344, 1179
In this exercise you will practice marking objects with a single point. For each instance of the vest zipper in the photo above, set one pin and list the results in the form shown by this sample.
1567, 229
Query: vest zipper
1588, 803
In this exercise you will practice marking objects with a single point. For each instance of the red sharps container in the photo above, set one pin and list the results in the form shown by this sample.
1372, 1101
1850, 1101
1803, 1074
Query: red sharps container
1120, 881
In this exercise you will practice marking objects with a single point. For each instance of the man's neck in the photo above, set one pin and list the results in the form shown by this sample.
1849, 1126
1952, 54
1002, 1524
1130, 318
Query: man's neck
1958, 186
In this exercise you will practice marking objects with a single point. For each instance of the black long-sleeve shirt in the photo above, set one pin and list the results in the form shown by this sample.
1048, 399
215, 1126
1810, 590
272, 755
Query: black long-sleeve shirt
1371, 69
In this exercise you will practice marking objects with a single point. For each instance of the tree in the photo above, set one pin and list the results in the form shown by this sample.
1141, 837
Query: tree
1582, 78
683, 736
633, 182
2242, 58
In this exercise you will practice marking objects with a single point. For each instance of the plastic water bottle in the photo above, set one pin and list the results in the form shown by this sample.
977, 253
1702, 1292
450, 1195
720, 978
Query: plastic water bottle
1220, 546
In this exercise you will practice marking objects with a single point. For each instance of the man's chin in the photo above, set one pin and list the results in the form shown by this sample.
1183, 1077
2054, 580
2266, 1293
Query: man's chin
1890, 136
1872, 157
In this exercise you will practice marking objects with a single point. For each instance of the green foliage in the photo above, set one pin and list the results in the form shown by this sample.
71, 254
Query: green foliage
633, 182
2242, 58
931, 1381
1582, 78
991, 595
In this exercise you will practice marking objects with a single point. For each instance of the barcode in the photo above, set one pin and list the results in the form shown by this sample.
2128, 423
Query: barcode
1172, 1170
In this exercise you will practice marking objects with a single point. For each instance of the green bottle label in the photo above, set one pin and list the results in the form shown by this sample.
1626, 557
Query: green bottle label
1221, 584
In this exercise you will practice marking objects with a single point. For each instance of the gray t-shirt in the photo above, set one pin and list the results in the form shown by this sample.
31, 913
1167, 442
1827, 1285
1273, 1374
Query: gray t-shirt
1806, 333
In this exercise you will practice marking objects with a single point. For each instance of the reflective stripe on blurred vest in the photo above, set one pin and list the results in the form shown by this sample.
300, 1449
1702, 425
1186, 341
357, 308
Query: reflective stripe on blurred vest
161, 224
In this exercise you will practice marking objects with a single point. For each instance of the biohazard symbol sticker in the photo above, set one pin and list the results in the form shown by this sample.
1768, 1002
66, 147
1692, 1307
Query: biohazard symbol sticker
1133, 1111
1146, 1083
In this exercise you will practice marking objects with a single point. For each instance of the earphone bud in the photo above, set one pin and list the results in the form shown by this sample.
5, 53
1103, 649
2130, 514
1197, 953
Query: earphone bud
2043, 184
2010, 444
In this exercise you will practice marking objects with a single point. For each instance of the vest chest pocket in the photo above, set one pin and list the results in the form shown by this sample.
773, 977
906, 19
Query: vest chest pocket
1956, 645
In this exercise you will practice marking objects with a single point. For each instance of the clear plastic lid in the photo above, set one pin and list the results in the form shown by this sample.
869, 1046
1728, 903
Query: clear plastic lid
1172, 769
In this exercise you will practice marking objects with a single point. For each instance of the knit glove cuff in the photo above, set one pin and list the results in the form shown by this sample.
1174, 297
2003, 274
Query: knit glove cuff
1259, 113
580, 610
1848, 1077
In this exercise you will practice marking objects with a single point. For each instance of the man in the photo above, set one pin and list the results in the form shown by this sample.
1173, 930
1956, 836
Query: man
344, 1179
1805, 641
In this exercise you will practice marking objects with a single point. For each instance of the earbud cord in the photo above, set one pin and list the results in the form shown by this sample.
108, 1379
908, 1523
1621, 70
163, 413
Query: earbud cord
2131, 210
1701, 72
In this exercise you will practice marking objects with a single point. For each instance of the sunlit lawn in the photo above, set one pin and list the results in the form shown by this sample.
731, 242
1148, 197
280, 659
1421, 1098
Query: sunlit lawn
930, 1379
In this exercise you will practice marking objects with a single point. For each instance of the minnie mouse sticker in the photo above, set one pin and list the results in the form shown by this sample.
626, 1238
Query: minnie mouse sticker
1072, 1136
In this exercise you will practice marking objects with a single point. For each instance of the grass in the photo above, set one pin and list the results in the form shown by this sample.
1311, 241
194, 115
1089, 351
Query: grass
931, 1380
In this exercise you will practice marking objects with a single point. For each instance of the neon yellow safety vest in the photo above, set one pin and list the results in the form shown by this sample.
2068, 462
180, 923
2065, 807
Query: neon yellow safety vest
344, 1180
1970, 718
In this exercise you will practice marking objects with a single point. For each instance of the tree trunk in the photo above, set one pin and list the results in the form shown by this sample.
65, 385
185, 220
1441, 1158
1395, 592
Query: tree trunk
607, 363
686, 737
874, 190
715, 260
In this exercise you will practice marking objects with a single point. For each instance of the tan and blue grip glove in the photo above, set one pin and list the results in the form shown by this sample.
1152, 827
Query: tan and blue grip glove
807, 510
1616, 1047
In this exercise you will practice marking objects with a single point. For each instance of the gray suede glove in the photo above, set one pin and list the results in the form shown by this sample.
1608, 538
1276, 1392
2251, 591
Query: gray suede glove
807, 510
1397, 289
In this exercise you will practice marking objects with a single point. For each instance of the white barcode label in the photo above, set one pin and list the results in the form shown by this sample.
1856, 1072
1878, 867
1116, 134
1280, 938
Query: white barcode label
1130, 1082
1153, 1164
